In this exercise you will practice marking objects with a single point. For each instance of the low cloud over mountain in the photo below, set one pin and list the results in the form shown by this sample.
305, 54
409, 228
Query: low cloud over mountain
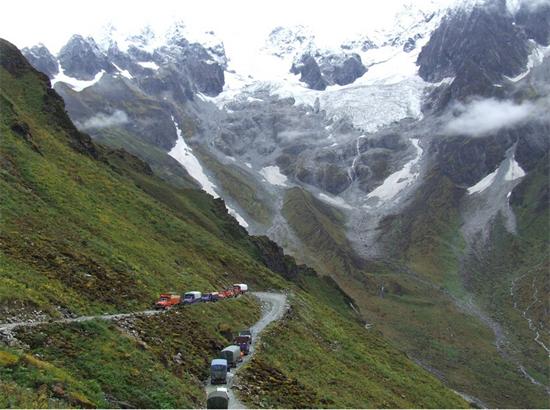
103, 120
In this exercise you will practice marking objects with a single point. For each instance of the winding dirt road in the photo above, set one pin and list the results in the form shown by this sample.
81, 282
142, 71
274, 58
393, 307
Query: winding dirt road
7, 327
274, 306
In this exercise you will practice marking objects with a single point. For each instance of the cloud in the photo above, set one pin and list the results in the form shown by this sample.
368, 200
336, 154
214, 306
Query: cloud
103, 120
533, 5
483, 117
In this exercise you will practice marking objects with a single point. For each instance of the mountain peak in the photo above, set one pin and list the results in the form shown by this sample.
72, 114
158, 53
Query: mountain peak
290, 41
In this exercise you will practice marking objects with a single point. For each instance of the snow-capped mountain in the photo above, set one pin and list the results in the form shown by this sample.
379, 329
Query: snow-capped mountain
399, 139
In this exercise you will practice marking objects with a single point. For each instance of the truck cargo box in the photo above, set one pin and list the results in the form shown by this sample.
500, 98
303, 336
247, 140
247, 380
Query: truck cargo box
232, 354
218, 399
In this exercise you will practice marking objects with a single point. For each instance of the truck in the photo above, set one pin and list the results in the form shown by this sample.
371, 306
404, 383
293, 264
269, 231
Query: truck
191, 297
240, 288
246, 332
210, 297
227, 293
218, 399
232, 354
167, 301
218, 371
244, 343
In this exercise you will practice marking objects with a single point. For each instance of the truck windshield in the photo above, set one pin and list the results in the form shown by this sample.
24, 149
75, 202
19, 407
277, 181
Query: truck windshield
218, 367
163, 299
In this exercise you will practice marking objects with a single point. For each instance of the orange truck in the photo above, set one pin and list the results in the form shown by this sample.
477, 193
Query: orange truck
168, 300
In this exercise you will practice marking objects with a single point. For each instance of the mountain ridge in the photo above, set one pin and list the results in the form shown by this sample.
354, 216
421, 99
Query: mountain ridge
421, 162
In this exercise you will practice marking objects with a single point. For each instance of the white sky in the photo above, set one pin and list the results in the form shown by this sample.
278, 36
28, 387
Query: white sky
28, 22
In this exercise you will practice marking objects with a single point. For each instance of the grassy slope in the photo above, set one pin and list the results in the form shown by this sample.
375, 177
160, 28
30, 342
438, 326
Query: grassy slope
88, 230
251, 197
417, 311
162, 164
70, 224
318, 350
320, 227
523, 258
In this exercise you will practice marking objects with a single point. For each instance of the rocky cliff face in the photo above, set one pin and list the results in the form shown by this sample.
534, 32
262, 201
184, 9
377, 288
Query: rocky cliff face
477, 48
81, 58
328, 69
41, 59
402, 186
535, 20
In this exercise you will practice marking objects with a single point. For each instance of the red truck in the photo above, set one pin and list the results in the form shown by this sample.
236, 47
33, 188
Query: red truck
228, 293
167, 301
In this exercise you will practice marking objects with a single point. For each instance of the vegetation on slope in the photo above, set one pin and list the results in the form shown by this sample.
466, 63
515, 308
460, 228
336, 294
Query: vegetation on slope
320, 228
418, 299
312, 358
88, 230
510, 277
138, 362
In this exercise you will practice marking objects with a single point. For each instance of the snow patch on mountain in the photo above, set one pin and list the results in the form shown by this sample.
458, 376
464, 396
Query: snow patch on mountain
237, 216
490, 197
515, 171
273, 175
335, 200
123, 73
149, 64
535, 58
76, 84
508, 170
182, 153
483, 183
399, 180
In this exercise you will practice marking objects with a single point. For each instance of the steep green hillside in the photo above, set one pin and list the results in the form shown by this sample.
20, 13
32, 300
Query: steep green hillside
320, 227
418, 299
510, 278
311, 357
88, 230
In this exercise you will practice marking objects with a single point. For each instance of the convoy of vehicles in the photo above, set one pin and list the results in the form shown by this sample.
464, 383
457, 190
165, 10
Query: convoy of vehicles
231, 355
169, 300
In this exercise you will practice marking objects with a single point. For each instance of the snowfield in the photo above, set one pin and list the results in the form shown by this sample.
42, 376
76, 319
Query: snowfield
508, 170
183, 153
76, 84
273, 175
399, 180
124, 73
149, 64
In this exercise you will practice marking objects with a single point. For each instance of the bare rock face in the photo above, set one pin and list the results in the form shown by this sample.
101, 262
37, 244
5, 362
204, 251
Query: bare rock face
478, 47
342, 69
323, 70
81, 58
535, 20
41, 59
310, 73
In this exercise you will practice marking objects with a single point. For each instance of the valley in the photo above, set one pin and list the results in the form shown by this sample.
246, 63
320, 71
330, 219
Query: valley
393, 184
